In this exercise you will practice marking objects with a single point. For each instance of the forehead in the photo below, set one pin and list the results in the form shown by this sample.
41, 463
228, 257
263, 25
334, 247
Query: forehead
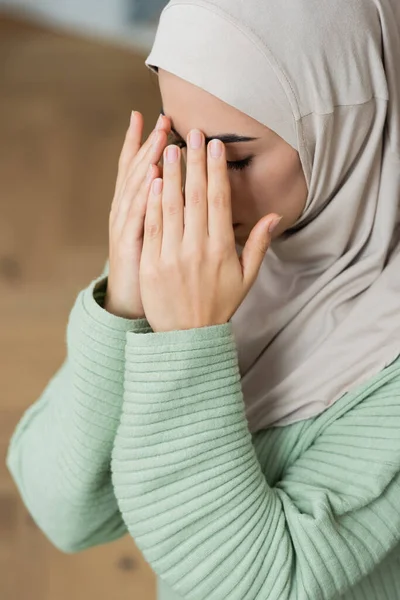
189, 106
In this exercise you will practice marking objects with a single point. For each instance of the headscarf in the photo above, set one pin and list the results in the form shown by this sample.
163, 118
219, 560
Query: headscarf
323, 315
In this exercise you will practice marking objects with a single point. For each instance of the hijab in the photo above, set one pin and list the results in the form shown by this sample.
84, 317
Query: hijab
323, 315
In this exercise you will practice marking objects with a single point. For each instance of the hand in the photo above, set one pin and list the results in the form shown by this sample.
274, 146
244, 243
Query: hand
190, 273
126, 221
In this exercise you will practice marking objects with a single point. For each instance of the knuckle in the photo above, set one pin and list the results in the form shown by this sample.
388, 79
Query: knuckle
219, 200
194, 256
152, 229
194, 197
221, 249
171, 208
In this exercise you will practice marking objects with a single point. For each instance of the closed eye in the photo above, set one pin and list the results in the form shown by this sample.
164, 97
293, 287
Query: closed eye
234, 165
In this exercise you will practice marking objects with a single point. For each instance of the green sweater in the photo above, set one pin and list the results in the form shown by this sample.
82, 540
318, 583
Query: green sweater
146, 433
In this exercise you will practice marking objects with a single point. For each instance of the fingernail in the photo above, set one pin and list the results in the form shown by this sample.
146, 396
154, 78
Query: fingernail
132, 117
216, 148
172, 154
157, 186
195, 139
274, 223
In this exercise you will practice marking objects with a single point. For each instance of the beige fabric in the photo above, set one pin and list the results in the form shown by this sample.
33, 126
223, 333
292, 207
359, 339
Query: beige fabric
324, 314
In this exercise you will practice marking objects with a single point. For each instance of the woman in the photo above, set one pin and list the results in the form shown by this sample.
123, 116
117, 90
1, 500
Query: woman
240, 416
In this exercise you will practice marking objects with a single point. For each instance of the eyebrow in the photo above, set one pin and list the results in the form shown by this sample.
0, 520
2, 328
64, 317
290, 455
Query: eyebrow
226, 138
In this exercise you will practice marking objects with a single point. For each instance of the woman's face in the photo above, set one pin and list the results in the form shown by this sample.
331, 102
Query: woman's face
273, 178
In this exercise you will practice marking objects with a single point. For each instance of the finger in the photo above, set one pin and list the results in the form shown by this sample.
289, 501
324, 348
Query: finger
136, 216
219, 194
196, 213
138, 169
153, 227
131, 146
172, 201
136, 176
255, 249
133, 150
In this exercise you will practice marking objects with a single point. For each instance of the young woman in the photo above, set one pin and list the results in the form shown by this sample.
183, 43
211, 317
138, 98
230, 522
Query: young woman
231, 393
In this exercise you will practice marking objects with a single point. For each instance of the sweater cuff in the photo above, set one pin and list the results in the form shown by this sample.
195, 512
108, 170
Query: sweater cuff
177, 379
93, 304
96, 343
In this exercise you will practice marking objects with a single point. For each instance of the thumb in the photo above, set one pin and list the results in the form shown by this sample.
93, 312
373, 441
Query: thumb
256, 248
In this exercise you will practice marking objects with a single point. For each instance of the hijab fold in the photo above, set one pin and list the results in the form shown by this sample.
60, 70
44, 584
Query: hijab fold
324, 313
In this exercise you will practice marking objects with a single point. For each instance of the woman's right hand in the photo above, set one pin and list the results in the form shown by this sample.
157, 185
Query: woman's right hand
128, 211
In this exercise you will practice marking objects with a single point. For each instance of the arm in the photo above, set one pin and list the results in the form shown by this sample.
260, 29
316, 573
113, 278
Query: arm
193, 495
60, 452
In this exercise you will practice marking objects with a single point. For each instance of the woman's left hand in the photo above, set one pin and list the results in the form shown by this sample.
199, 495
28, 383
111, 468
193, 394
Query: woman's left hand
190, 273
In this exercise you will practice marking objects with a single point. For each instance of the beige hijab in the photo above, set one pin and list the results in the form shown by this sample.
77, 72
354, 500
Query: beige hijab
324, 313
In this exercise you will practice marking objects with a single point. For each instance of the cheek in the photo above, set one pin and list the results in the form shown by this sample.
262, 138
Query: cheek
276, 185
251, 194
241, 194
268, 179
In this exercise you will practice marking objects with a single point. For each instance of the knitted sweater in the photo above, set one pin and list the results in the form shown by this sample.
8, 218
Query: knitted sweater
145, 433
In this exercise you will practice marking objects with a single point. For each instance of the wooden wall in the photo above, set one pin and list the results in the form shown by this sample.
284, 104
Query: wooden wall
65, 104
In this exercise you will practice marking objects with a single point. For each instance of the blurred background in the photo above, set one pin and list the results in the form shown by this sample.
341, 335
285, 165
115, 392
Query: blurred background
71, 71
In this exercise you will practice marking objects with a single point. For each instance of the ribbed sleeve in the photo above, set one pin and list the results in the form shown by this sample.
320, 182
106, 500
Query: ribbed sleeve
209, 519
60, 452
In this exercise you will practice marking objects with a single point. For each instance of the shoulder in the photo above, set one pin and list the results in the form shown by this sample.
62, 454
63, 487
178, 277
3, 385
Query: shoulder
378, 396
357, 440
